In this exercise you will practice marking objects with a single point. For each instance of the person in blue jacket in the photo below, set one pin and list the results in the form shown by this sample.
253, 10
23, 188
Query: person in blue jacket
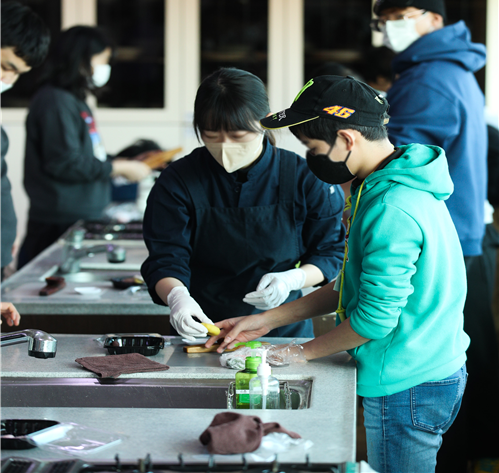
435, 99
238, 226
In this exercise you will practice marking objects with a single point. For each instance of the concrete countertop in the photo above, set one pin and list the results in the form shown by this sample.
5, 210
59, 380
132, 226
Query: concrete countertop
329, 422
23, 286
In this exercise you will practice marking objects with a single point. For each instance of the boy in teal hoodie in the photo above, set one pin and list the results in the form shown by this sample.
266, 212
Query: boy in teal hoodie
399, 298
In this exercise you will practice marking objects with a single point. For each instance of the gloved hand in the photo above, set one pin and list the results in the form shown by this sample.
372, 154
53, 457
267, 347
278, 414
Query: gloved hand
274, 288
278, 355
182, 309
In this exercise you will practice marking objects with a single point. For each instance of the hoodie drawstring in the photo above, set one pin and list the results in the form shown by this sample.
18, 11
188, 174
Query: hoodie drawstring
340, 311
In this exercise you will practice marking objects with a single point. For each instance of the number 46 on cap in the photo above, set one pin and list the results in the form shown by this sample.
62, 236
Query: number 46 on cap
339, 111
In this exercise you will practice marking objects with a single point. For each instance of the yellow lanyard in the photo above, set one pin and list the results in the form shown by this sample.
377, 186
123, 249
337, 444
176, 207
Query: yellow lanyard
341, 310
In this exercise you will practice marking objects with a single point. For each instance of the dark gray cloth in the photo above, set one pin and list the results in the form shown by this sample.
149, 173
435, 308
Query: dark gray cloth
65, 182
9, 220
230, 433
113, 365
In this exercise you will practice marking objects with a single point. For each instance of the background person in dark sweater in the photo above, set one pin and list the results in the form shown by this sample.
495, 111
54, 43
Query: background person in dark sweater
25, 43
67, 172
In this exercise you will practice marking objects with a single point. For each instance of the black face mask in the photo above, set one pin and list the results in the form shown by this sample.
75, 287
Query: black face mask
329, 171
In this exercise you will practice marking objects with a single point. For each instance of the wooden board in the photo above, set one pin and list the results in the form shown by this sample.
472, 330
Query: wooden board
203, 349
160, 158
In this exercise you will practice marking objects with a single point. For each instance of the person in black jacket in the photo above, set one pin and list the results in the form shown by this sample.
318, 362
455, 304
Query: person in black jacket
25, 43
238, 226
67, 173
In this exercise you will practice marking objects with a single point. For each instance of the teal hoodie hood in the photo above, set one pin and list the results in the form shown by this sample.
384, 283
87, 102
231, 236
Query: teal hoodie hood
405, 279
420, 167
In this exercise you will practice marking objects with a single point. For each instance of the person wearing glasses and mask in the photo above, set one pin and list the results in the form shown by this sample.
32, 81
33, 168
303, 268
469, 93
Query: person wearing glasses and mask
238, 226
436, 100
67, 173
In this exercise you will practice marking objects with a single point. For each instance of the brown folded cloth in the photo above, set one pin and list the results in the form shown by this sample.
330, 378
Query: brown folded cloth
230, 433
113, 365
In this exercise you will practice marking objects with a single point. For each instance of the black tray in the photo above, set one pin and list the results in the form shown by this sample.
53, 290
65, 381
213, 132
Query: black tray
19, 428
145, 345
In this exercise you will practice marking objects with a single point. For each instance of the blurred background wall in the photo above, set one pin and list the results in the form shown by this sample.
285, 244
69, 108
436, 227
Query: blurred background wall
164, 48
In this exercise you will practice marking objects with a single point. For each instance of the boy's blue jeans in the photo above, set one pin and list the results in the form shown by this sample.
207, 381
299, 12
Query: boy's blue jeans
404, 430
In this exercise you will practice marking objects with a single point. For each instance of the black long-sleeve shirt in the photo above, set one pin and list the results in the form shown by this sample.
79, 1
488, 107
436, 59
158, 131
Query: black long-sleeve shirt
169, 220
67, 174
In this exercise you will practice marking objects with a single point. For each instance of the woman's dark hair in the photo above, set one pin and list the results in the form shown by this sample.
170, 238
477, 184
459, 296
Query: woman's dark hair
69, 63
25, 32
231, 99
327, 130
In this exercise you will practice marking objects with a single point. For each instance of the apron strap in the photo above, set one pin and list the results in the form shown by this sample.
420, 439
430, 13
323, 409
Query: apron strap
287, 177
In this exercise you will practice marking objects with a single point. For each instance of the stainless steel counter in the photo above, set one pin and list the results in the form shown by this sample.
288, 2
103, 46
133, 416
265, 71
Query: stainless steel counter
329, 422
23, 286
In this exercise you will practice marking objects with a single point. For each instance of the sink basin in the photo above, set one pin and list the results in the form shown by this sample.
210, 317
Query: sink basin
137, 393
136, 254
96, 268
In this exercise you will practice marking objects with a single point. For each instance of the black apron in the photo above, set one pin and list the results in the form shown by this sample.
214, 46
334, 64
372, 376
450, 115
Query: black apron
234, 247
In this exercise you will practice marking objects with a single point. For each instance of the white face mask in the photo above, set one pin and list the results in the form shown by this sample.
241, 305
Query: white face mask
5, 87
400, 34
234, 156
101, 74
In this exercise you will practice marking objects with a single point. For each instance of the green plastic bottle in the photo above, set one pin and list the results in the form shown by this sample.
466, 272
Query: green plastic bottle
243, 377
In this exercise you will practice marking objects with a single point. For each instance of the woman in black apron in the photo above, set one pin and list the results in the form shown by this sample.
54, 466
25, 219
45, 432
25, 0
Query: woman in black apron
238, 226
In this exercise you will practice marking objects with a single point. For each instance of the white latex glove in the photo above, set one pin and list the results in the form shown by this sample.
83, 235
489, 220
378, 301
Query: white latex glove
182, 309
274, 288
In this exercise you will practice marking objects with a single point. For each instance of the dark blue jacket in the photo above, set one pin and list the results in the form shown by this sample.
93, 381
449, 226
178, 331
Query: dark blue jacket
169, 220
63, 178
436, 100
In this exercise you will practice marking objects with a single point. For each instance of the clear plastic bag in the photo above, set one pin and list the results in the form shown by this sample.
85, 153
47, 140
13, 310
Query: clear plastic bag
279, 442
281, 355
74, 439
277, 355
270, 446
236, 359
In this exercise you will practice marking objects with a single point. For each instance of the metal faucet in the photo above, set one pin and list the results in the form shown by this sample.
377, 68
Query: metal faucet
73, 251
41, 344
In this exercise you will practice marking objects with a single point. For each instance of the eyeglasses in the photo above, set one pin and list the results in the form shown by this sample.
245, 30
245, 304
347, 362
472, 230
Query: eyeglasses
379, 24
